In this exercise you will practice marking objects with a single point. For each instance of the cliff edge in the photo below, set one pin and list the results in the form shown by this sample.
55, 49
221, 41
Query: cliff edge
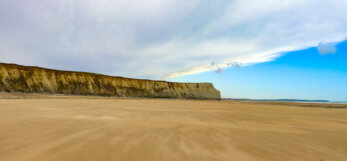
28, 79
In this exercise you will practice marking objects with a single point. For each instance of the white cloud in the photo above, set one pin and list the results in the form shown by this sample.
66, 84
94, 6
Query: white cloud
234, 62
163, 38
326, 48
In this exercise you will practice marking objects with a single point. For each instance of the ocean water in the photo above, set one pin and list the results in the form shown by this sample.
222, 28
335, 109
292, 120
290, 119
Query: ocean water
330, 102
338, 102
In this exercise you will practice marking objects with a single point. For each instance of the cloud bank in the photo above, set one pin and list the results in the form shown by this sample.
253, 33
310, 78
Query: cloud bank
163, 39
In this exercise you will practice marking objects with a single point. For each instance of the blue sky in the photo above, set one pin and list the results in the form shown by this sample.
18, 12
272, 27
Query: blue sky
302, 74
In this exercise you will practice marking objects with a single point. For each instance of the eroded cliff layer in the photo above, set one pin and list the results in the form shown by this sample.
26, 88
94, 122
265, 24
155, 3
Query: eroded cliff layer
27, 79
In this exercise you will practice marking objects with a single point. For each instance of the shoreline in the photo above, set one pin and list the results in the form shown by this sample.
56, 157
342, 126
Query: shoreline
19, 95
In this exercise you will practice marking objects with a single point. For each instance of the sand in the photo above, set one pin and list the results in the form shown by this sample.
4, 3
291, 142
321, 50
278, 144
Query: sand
100, 129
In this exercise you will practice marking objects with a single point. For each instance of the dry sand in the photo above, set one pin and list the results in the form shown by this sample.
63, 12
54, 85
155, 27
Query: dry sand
98, 129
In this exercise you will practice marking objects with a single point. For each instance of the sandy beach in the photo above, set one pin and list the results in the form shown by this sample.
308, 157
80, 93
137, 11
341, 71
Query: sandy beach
107, 129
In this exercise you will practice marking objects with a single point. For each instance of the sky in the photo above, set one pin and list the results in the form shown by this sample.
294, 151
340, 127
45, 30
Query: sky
176, 39
312, 74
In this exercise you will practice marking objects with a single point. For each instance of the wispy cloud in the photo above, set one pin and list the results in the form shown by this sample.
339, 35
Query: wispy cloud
163, 38
235, 62
326, 48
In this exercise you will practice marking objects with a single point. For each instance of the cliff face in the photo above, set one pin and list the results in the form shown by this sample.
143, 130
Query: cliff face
17, 78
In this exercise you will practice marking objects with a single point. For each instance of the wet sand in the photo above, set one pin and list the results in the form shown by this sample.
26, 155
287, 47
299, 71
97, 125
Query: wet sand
100, 129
